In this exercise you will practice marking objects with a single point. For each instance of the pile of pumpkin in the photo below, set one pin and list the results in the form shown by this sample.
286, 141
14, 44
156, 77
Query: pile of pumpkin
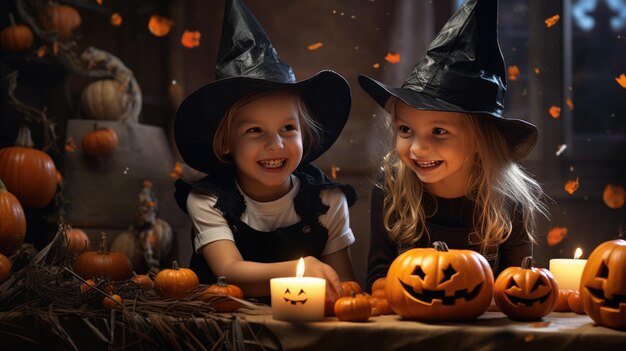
440, 284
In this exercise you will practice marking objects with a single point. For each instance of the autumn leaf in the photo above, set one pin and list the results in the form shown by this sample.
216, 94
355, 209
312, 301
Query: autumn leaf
315, 46
376, 65
572, 185
555, 111
556, 235
614, 196
569, 103
190, 39
621, 80
116, 20
333, 172
159, 26
513, 72
392, 58
552, 20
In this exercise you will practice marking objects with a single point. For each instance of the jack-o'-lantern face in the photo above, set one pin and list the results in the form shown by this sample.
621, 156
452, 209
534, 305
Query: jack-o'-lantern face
439, 284
294, 299
603, 285
526, 292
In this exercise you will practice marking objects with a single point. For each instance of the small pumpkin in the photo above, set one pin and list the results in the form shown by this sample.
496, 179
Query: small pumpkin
113, 302
5, 267
100, 141
89, 284
379, 284
222, 288
349, 286
526, 293
575, 303
77, 240
353, 308
12, 222
16, 37
439, 284
603, 285
143, 280
61, 18
175, 283
101, 263
104, 99
614, 196
379, 300
561, 301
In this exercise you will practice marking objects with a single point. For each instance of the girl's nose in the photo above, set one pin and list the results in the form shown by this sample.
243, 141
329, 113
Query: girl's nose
274, 142
419, 146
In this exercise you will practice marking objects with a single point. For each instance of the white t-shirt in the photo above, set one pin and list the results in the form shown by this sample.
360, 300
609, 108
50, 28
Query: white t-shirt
210, 225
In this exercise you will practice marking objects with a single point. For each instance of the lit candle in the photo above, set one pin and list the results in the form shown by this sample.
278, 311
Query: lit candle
567, 272
298, 299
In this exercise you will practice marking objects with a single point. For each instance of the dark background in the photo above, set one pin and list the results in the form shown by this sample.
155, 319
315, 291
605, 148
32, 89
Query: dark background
575, 63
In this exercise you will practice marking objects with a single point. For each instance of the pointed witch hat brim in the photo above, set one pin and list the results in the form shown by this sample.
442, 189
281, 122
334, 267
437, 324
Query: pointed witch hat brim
247, 64
463, 71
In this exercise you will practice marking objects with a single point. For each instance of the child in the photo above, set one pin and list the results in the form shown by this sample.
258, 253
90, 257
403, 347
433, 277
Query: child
453, 174
254, 131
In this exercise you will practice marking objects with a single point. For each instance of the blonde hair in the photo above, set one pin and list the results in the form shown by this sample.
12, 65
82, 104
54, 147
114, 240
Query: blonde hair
500, 188
310, 128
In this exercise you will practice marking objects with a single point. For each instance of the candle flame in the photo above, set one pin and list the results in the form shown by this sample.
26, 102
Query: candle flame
578, 253
300, 269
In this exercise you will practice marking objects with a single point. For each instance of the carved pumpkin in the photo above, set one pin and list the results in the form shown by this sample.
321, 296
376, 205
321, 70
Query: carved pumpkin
603, 285
222, 288
353, 308
526, 293
12, 222
77, 240
5, 267
104, 99
439, 284
29, 174
16, 38
614, 196
101, 263
175, 283
61, 18
100, 142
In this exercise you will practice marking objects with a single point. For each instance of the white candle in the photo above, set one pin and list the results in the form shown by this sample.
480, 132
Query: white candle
567, 272
298, 299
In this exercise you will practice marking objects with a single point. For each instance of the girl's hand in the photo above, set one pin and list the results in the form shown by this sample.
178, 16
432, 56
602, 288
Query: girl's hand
316, 268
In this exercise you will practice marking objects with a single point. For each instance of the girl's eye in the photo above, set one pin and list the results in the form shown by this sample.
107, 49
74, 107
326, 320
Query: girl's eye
253, 130
402, 129
439, 131
289, 128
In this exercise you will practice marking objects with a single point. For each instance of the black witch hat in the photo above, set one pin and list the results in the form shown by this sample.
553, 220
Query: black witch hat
463, 71
248, 63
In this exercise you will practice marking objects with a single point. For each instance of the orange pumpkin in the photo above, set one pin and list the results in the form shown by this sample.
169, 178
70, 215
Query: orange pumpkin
439, 284
526, 293
348, 286
379, 300
175, 283
614, 196
575, 303
379, 284
104, 99
102, 263
16, 38
61, 18
29, 174
353, 308
143, 280
222, 288
77, 240
100, 142
603, 285
561, 301
12, 222
5, 267
113, 302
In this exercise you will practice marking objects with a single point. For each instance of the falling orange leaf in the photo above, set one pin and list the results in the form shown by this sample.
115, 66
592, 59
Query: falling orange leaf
552, 20
177, 171
537, 70
315, 46
333, 172
569, 103
116, 20
513, 72
376, 65
190, 40
614, 196
70, 146
392, 58
41, 52
572, 185
159, 26
621, 80
556, 235
555, 111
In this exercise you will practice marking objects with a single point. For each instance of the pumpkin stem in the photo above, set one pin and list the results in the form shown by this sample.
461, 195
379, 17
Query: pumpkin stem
24, 139
103, 248
221, 282
440, 246
528, 262
175, 265
352, 293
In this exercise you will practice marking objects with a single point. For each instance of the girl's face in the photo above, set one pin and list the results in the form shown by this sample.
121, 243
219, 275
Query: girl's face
435, 145
265, 143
